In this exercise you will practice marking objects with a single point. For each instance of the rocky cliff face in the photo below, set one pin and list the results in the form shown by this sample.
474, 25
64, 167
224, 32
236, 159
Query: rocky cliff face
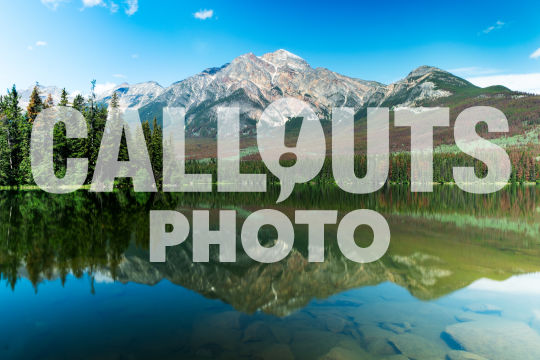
251, 82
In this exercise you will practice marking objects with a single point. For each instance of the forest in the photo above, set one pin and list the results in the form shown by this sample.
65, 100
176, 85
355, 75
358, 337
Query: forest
16, 125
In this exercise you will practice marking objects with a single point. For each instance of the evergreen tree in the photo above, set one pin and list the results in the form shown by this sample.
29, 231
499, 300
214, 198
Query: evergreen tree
60, 149
78, 102
5, 156
13, 122
114, 100
35, 105
63, 98
49, 102
156, 150
11, 104
147, 132
24, 170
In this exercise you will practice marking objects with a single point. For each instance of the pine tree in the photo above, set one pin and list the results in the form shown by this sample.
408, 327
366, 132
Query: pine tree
35, 105
78, 102
60, 149
5, 157
5, 150
147, 132
11, 104
49, 102
156, 150
24, 170
63, 98
13, 122
114, 100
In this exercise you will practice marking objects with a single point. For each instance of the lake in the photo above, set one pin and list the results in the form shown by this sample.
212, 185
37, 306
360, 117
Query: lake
461, 280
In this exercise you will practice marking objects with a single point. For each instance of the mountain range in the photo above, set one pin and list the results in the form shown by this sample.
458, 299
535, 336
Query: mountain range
252, 82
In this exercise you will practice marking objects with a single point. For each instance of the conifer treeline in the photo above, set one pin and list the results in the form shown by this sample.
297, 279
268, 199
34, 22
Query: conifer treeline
16, 125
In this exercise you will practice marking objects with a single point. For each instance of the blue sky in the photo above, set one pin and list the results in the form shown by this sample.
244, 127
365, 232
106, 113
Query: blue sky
69, 42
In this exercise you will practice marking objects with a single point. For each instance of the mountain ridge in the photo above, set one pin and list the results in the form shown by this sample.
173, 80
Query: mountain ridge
251, 82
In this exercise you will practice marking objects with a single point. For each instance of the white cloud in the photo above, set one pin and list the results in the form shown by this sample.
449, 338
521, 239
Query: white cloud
37, 44
204, 14
132, 7
53, 4
520, 82
92, 3
498, 25
114, 7
134, 56
536, 54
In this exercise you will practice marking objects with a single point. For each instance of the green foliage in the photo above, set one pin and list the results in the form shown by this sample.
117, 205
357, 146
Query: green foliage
78, 102
5, 156
63, 98
15, 132
114, 100
156, 150
35, 105
49, 102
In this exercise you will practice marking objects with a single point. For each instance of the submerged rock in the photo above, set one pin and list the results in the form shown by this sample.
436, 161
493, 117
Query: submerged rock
347, 350
335, 324
471, 316
483, 309
497, 339
417, 347
397, 328
258, 331
463, 355
277, 351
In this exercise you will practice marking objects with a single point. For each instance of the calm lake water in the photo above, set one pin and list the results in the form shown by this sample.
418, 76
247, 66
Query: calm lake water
461, 280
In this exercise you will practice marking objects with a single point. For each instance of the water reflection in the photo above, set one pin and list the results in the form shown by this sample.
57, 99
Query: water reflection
431, 296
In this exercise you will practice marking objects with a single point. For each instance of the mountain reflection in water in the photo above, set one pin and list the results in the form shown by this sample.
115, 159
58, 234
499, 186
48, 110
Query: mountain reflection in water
77, 276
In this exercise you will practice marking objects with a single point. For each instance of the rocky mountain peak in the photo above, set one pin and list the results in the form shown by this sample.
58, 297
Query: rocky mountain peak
423, 70
281, 58
251, 82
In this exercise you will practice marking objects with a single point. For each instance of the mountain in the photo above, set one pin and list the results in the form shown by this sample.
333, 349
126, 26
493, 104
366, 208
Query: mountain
423, 83
44, 92
252, 82
132, 96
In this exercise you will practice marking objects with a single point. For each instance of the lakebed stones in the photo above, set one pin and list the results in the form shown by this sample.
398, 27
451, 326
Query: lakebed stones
347, 350
276, 351
497, 339
417, 347
396, 357
258, 331
335, 324
487, 309
471, 316
397, 328
310, 344
463, 355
